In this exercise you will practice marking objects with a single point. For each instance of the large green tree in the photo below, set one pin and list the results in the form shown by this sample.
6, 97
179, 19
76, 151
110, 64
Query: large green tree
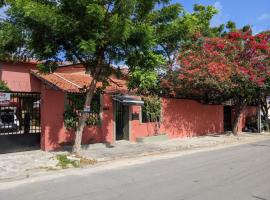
175, 32
95, 33
174, 28
235, 67
144, 34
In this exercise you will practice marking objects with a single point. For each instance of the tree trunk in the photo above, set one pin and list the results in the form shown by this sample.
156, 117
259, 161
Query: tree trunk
265, 112
266, 121
157, 127
82, 120
239, 110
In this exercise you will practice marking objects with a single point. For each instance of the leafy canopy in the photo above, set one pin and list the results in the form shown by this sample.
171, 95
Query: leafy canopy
95, 33
235, 67
178, 27
144, 34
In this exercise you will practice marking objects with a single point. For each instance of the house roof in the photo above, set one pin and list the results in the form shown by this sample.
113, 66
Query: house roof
77, 82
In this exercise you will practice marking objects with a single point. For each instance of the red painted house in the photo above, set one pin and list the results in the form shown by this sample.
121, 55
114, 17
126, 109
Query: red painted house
179, 118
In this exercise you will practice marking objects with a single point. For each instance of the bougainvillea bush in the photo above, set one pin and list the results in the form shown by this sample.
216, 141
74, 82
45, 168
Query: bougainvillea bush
235, 67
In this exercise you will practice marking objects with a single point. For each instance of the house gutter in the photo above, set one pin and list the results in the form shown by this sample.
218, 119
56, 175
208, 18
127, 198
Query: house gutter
59, 76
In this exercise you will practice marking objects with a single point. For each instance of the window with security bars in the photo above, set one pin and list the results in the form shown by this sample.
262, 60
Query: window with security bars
76, 106
21, 114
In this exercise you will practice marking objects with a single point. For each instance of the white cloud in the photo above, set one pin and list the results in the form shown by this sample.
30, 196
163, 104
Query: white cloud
220, 18
264, 16
218, 6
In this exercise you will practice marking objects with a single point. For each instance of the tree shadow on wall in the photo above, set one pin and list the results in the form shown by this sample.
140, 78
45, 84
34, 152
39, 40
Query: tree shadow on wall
188, 118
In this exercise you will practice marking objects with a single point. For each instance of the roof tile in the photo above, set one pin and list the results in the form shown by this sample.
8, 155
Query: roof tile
77, 82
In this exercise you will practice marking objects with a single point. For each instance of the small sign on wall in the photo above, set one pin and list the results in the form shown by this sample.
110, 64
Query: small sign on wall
135, 116
4, 99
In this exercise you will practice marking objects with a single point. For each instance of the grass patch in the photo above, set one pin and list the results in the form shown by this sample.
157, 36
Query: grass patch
65, 162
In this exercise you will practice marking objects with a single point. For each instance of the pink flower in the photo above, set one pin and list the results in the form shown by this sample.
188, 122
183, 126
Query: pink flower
262, 68
235, 35
252, 77
221, 46
260, 81
244, 70
181, 76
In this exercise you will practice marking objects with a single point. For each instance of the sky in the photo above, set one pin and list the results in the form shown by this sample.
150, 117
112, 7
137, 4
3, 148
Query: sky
253, 12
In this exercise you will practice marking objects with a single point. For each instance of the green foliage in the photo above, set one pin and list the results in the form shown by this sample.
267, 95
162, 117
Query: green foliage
70, 118
84, 31
10, 38
247, 28
175, 28
231, 26
77, 100
144, 81
152, 108
2, 3
92, 120
203, 15
3, 86
64, 162
47, 67
143, 34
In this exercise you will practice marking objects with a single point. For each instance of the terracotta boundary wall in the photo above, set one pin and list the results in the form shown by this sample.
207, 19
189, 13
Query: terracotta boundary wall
186, 118
182, 118
18, 77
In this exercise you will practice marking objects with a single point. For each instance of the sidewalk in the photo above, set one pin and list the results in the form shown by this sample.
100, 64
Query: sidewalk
125, 149
16, 166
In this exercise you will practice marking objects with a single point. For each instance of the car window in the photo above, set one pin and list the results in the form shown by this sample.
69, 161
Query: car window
7, 118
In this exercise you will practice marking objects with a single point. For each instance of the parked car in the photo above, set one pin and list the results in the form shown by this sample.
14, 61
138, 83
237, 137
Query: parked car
8, 120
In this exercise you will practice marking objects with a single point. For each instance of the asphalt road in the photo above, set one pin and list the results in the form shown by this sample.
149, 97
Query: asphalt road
240, 173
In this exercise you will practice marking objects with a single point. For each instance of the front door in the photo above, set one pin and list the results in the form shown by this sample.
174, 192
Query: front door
227, 118
121, 121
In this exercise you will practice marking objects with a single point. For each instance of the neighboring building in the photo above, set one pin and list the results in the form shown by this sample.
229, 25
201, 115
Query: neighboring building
41, 100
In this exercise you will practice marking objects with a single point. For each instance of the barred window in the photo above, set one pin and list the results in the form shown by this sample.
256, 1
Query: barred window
76, 105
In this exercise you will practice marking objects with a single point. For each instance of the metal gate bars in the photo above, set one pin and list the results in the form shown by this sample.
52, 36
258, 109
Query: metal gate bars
19, 113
